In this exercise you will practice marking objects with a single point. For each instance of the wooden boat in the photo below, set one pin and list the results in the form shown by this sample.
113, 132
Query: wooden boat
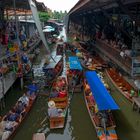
60, 102
74, 75
102, 120
97, 62
121, 84
15, 128
88, 63
53, 69
39, 136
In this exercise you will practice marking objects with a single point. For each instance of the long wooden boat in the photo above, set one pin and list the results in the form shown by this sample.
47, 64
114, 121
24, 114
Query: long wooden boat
54, 69
98, 117
121, 84
74, 75
38, 136
22, 118
60, 101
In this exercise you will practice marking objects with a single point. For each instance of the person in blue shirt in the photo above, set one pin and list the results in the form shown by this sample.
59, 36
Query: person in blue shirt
25, 59
20, 108
12, 116
32, 89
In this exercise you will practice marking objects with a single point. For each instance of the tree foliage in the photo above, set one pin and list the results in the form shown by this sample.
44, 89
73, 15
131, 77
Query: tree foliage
58, 15
44, 16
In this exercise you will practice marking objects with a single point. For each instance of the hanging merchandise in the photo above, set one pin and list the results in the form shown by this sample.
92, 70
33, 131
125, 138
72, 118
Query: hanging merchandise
20, 71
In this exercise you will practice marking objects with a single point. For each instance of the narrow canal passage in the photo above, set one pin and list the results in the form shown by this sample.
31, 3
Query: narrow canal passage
78, 124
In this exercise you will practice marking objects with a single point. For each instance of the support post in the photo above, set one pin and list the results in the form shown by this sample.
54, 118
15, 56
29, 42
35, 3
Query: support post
21, 83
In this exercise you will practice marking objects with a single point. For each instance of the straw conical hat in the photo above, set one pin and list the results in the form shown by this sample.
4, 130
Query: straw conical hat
51, 104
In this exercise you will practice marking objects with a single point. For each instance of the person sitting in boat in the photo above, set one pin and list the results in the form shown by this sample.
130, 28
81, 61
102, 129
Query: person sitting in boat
24, 99
89, 62
31, 95
62, 94
50, 74
76, 80
54, 94
25, 58
19, 108
8, 127
32, 88
52, 110
12, 116
61, 83
103, 118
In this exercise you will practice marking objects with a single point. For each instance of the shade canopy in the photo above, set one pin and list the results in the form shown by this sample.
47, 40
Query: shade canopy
74, 63
102, 98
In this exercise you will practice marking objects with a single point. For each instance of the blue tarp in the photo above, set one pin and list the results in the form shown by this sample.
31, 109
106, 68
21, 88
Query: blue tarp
32, 88
74, 63
102, 98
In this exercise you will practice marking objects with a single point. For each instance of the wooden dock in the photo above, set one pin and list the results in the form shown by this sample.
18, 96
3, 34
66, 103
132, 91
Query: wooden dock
136, 103
8, 81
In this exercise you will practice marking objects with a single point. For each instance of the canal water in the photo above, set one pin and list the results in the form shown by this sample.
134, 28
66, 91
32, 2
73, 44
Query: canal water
78, 124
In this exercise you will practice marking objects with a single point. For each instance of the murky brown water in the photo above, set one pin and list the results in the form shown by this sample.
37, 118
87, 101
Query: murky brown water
78, 125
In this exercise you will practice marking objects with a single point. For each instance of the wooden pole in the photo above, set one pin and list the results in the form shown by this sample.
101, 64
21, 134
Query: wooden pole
17, 30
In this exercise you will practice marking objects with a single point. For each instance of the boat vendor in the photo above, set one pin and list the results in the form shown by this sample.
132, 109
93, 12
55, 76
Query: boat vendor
89, 62
76, 79
62, 94
54, 94
52, 110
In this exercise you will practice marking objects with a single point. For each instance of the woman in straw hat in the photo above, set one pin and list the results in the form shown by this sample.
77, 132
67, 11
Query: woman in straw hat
52, 110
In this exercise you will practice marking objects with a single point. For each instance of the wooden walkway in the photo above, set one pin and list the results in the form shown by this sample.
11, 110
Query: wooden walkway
10, 78
8, 81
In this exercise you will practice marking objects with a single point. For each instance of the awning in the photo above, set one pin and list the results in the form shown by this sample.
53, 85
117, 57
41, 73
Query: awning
74, 63
102, 98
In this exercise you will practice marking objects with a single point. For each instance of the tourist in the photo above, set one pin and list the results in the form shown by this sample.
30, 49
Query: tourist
8, 127
12, 116
19, 108
33, 87
24, 99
